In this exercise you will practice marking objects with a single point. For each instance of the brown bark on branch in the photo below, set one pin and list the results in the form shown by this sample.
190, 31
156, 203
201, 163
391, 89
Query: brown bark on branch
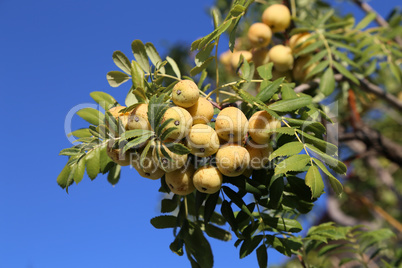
365, 85
375, 141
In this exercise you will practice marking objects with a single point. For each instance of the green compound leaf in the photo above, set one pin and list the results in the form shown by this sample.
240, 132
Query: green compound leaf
165, 221
314, 182
290, 105
327, 82
116, 78
91, 115
175, 68
294, 163
288, 149
103, 99
262, 256
122, 61
140, 54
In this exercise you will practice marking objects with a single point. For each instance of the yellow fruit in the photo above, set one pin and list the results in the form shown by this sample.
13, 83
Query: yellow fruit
168, 165
299, 72
236, 57
260, 124
202, 112
259, 154
185, 93
138, 118
226, 59
282, 57
232, 160
259, 34
202, 140
180, 181
298, 42
231, 124
208, 179
182, 120
150, 167
277, 17
260, 56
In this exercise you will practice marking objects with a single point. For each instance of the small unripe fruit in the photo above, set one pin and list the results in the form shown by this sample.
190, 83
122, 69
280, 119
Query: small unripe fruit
182, 120
259, 34
138, 118
208, 179
299, 71
282, 57
260, 56
277, 17
202, 140
180, 181
259, 154
260, 124
149, 169
185, 93
202, 112
236, 57
168, 165
232, 160
231, 124
298, 42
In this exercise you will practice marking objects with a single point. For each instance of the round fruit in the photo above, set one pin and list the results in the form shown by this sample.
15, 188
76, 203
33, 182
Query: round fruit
236, 57
298, 42
138, 118
149, 169
202, 140
277, 17
261, 124
282, 57
232, 160
259, 34
231, 124
259, 154
299, 71
175, 162
180, 181
185, 93
226, 59
260, 56
202, 112
208, 179
182, 120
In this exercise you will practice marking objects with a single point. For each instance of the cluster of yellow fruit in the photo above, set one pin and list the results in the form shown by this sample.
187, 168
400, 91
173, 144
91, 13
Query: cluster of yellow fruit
275, 18
234, 147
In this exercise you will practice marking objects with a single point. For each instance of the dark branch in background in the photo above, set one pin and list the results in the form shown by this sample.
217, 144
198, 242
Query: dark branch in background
375, 141
379, 19
365, 85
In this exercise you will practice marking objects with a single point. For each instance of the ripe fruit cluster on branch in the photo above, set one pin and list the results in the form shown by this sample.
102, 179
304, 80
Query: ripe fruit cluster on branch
225, 145
288, 59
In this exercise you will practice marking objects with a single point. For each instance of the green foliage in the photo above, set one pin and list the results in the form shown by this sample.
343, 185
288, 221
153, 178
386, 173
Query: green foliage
262, 212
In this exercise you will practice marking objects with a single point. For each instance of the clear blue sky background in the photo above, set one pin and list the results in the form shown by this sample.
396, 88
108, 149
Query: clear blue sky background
53, 54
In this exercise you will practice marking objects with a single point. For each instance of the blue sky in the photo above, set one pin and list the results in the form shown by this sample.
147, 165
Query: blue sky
54, 53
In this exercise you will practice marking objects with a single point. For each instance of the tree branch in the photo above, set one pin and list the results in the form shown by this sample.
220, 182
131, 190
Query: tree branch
379, 19
365, 85
374, 140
